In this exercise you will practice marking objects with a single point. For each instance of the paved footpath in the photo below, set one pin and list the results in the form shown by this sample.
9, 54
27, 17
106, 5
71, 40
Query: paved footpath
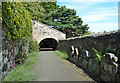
52, 68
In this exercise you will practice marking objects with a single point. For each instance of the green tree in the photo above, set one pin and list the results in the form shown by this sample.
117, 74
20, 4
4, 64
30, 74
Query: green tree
89, 33
49, 6
65, 20
16, 20
36, 10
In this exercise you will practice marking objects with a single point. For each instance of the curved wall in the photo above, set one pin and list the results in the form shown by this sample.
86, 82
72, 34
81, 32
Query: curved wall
80, 51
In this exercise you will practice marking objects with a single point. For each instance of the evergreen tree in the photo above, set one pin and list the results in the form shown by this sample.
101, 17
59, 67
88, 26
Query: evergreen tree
49, 6
65, 20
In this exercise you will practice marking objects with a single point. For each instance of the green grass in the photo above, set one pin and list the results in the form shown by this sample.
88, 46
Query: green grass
25, 72
62, 55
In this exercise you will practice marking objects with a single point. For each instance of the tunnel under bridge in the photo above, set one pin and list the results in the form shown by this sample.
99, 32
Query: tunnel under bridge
46, 36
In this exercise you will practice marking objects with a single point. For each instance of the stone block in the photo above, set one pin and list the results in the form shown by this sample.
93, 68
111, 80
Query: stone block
5, 66
84, 63
109, 67
73, 50
5, 60
110, 58
4, 74
76, 52
85, 54
90, 64
0, 74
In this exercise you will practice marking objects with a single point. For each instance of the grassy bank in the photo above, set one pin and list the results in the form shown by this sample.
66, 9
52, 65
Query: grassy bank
62, 55
25, 72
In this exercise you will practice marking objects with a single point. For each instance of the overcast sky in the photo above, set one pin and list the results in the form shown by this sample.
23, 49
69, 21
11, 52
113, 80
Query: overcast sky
99, 15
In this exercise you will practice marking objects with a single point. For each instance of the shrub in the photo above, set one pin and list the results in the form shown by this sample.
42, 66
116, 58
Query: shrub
98, 54
33, 46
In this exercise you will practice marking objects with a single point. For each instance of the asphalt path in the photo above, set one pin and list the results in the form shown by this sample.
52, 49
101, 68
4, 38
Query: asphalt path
52, 68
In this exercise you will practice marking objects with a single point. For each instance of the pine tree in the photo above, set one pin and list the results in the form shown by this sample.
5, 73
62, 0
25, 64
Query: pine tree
65, 20
49, 6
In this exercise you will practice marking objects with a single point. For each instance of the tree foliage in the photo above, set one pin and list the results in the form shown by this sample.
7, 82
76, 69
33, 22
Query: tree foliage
66, 20
36, 10
60, 18
49, 6
16, 21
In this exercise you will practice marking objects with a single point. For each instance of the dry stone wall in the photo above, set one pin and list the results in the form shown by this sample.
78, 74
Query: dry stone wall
80, 51
0, 51
8, 52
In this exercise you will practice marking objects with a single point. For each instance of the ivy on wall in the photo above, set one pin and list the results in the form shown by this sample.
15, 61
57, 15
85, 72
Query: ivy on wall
16, 21
0, 12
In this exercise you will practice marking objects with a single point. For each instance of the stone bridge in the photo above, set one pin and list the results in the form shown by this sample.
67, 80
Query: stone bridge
47, 35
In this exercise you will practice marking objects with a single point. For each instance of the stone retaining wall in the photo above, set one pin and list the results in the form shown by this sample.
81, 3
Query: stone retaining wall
0, 51
9, 51
80, 51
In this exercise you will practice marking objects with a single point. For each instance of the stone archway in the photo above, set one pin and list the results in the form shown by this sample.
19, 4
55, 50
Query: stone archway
48, 44
42, 31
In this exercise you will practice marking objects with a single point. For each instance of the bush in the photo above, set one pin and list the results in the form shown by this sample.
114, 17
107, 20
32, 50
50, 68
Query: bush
33, 46
98, 54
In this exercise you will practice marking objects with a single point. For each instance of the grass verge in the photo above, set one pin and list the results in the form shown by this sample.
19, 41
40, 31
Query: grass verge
61, 54
25, 72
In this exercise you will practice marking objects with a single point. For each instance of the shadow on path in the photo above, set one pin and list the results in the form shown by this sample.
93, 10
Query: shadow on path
46, 49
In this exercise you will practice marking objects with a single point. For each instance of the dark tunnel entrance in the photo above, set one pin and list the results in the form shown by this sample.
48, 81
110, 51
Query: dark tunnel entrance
48, 44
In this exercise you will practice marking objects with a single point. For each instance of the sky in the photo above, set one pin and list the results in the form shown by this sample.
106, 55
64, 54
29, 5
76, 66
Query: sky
100, 15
